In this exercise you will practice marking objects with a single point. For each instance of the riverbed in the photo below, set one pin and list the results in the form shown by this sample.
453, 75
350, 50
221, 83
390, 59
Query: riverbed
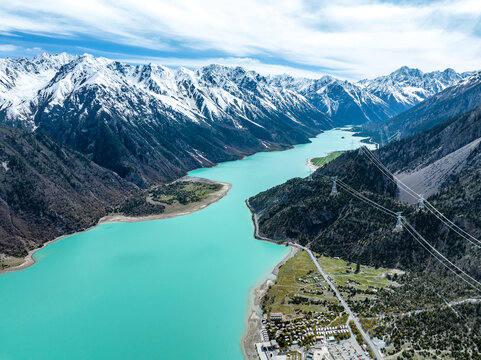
166, 289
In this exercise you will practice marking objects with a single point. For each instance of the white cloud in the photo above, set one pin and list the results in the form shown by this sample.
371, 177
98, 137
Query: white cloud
7, 48
247, 63
358, 38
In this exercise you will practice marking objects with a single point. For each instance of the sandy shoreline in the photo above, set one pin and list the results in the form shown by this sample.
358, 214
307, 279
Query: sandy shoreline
212, 198
253, 323
310, 165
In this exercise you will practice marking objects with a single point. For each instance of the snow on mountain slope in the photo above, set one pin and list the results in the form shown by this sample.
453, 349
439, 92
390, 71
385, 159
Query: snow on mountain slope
212, 93
454, 100
370, 100
149, 122
21, 79
407, 86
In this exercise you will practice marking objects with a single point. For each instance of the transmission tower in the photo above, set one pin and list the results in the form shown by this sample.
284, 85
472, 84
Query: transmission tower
334, 185
399, 225
421, 202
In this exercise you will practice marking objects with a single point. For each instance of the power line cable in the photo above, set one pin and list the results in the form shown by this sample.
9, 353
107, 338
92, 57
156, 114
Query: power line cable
450, 224
412, 230
418, 237
364, 198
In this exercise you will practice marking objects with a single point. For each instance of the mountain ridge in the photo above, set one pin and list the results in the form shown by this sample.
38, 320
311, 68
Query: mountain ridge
371, 100
158, 123
448, 103
302, 210
149, 123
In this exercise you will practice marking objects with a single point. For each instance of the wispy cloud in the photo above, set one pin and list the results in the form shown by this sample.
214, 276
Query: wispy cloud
7, 48
356, 38
247, 63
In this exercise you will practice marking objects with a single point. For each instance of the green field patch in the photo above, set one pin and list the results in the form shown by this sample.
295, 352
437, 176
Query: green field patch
321, 161
183, 192
299, 288
362, 277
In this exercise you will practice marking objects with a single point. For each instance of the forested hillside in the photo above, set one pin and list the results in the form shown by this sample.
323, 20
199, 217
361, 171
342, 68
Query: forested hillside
303, 210
47, 190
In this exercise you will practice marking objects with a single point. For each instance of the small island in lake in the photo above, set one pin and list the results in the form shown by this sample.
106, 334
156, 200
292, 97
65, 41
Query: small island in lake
180, 197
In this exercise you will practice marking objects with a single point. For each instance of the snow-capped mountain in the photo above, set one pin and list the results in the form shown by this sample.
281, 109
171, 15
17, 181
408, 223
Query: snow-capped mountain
21, 80
149, 122
455, 100
370, 100
407, 87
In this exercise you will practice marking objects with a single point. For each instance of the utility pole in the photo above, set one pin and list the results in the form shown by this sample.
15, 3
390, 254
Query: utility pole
421, 202
399, 225
334, 186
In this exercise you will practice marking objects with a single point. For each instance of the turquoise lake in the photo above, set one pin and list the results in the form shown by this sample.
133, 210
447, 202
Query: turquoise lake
164, 289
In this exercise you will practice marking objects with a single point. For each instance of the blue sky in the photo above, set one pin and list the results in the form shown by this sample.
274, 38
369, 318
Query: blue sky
347, 39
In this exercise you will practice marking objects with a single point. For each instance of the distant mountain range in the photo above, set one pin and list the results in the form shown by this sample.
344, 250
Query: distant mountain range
93, 131
461, 97
371, 101
149, 123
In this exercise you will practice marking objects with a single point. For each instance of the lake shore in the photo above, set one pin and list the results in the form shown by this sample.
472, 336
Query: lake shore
310, 165
253, 324
252, 334
180, 211
174, 211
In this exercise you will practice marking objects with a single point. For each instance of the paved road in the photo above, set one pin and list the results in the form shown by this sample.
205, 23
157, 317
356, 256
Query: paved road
352, 316
256, 225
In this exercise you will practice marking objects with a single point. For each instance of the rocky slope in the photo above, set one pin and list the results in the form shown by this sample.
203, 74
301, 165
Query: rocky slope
95, 130
149, 123
47, 190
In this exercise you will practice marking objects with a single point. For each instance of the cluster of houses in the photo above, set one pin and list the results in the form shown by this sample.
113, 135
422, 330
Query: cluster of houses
300, 331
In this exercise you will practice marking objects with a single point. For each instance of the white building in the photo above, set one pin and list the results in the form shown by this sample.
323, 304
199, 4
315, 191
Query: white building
322, 354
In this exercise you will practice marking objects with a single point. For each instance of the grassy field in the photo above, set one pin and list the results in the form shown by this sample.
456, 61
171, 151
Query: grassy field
321, 161
9, 261
298, 279
345, 274
183, 192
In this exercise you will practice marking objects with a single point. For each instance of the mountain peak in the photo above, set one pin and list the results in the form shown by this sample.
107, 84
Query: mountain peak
406, 71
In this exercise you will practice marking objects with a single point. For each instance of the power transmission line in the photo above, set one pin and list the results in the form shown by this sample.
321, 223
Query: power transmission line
418, 237
450, 224
365, 199
440, 257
